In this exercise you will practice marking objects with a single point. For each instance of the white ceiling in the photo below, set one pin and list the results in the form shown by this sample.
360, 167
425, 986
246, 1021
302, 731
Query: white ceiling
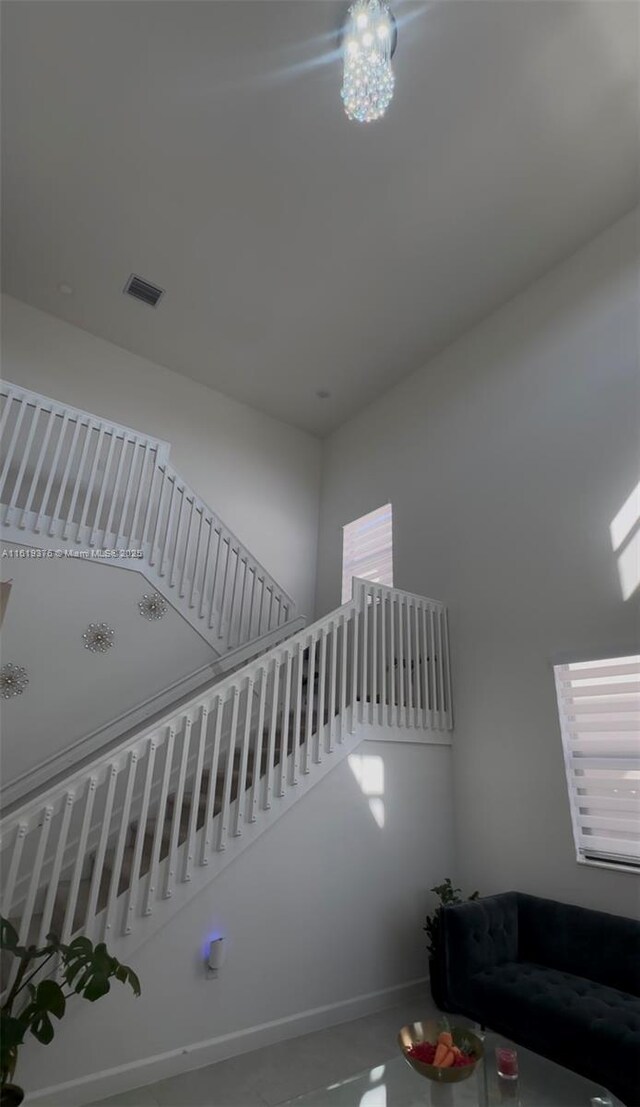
200, 145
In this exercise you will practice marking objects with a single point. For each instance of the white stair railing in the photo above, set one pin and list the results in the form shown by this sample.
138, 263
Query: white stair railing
73, 481
104, 848
78, 753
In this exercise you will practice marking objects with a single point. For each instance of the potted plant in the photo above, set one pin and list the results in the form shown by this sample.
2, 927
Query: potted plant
446, 894
84, 969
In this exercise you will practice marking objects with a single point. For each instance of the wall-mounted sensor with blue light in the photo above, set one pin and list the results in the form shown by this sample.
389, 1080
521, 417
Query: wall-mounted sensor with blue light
215, 960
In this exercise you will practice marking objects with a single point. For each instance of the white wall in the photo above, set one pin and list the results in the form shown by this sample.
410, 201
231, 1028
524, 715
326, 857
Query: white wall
325, 907
72, 691
506, 459
261, 476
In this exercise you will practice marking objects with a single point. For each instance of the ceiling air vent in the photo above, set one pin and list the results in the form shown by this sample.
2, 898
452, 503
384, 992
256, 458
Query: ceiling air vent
143, 290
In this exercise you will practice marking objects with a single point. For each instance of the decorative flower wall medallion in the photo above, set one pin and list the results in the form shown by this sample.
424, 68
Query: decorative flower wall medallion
152, 606
13, 680
98, 637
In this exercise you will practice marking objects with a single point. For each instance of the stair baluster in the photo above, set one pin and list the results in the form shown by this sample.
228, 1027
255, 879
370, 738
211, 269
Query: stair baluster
271, 748
37, 468
169, 743
98, 863
196, 788
212, 782
34, 882
244, 755
47, 913
134, 877
80, 860
123, 833
257, 766
176, 804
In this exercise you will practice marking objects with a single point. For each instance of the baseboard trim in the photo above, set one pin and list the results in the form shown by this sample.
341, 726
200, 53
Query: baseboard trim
136, 1074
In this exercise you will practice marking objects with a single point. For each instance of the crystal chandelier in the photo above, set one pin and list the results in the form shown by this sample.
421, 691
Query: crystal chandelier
13, 680
369, 40
98, 637
152, 606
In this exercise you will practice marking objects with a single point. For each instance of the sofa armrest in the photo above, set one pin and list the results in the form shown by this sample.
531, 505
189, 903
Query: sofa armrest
476, 935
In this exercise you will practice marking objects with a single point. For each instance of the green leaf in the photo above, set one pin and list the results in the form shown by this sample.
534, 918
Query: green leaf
133, 981
127, 976
88, 969
81, 945
42, 1028
8, 935
97, 987
447, 894
50, 997
12, 1032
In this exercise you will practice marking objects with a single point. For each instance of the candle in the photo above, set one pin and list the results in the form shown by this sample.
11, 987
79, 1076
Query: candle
507, 1062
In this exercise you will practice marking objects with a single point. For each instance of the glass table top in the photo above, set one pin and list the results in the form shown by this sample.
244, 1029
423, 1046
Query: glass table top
540, 1083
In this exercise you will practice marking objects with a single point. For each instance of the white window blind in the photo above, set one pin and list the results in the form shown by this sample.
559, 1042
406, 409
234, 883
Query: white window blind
599, 705
367, 550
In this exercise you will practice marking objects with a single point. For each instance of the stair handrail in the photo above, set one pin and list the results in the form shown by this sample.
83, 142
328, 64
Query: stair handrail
171, 718
202, 505
48, 403
108, 738
361, 591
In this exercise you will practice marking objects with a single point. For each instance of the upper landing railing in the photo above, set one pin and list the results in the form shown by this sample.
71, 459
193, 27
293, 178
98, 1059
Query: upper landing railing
69, 479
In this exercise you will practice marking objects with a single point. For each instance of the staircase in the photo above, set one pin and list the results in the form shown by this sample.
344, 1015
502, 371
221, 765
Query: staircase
116, 848
123, 838
73, 482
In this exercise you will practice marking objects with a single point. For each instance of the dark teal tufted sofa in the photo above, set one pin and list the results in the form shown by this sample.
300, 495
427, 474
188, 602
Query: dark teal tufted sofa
561, 980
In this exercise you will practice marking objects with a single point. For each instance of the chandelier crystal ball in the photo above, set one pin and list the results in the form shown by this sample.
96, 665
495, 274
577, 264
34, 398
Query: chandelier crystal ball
369, 42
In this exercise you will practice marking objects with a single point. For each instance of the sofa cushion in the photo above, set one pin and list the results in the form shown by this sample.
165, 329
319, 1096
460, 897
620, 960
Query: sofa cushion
596, 1028
593, 944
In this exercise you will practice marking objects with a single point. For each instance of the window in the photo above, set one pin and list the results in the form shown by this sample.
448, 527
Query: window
367, 550
599, 706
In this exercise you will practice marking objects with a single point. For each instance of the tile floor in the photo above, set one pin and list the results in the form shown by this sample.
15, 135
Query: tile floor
274, 1075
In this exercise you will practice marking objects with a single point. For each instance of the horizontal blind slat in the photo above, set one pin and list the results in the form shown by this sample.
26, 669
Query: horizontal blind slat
612, 804
601, 726
605, 745
588, 790
610, 846
621, 764
581, 709
601, 672
628, 689
627, 827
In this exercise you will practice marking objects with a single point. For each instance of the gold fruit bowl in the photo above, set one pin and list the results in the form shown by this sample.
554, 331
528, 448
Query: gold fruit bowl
428, 1032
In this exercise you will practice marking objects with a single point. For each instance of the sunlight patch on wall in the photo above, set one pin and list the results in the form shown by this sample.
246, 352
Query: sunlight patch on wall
368, 770
625, 539
629, 567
